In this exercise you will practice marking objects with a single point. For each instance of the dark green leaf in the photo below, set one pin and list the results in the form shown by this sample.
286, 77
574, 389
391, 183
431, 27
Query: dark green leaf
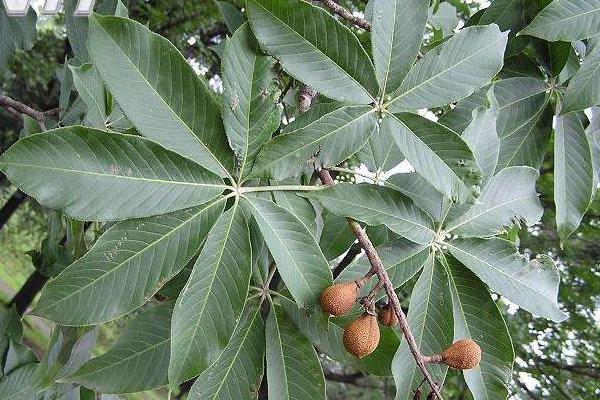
137, 361
116, 176
126, 266
212, 301
251, 113
397, 32
315, 48
236, 375
299, 259
584, 88
293, 368
377, 205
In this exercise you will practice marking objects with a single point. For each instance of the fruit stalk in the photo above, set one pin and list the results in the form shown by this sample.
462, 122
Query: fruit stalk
378, 268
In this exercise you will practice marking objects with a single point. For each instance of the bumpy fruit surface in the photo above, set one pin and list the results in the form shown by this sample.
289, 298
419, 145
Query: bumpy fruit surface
463, 354
387, 316
361, 336
338, 299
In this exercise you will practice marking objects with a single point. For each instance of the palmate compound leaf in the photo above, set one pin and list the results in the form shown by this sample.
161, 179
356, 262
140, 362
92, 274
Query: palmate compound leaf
158, 91
477, 317
236, 375
397, 32
452, 70
137, 361
566, 20
532, 285
250, 93
315, 48
438, 154
423, 194
212, 301
377, 205
574, 183
430, 318
325, 136
509, 198
293, 368
299, 259
126, 266
95, 175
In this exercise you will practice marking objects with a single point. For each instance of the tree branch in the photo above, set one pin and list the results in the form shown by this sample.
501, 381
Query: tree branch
379, 269
347, 15
13, 106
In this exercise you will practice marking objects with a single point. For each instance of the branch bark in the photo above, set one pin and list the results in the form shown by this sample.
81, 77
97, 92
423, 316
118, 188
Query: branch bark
13, 106
11, 206
379, 269
347, 15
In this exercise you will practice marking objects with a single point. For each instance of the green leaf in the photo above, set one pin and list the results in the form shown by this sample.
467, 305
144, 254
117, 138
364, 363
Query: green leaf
402, 260
322, 137
137, 361
21, 384
299, 259
236, 375
116, 176
438, 154
293, 368
126, 266
396, 35
482, 138
531, 285
573, 174
17, 356
250, 97
15, 33
149, 79
444, 19
336, 236
377, 205
88, 83
508, 199
453, 70
212, 301
510, 15
477, 317
522, 124
584, 88
430, 318
232, 16
459, 117
380, 153
315, 48
299, 206
326, 335
425, 196
566, 20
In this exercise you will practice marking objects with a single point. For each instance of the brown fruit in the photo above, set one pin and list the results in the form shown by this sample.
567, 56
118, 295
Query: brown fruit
463, 354
361, 336
387, 316
338, 299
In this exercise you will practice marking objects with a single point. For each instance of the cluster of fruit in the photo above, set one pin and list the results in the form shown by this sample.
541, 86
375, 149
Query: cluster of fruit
361, 336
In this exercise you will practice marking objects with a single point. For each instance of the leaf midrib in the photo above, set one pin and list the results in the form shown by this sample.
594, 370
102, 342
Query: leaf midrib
142, 179
454, 66
120, 265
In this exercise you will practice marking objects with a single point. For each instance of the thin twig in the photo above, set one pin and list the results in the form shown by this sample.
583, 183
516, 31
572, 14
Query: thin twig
379, 269
347, 15
12, 105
